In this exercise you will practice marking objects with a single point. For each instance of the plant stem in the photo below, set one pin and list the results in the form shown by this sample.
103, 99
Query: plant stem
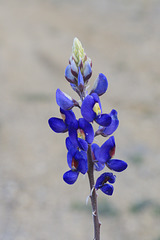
93, 195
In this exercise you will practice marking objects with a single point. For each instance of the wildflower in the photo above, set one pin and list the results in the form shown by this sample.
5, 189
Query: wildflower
103, 185
61, 125
81, 133
100, 85
91, 110
106, 152
98, 166
77, 161
65, 101
106, 131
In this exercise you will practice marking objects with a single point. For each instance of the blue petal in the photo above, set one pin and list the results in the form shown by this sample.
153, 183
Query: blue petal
69, 144
70, 176
107, 189
95, 149
74, 68
112, 127
74, 87
87, 71
69, 116
80, 80
70, 156
63, 100
87, 108
82, 166
68, 75
103, 120
103, 178
82, 144
117, 165
107, 150
72, 129
57, 125
98, 166
88, 130
100, 85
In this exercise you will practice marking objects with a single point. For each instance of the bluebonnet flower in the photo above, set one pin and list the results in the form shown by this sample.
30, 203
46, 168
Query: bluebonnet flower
77, 161
98, 166
81, 133
59, 125
106, 152
100, 85
103, 185
65, 101
91, 110
79, 141
106, 131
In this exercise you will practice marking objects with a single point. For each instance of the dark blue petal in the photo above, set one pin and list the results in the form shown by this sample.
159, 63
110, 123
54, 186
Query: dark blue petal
87, 71
117, 165
69, 144
103, 178
87, 108
107, 150
100, 85
82, 144
74, 68
107, 189
69, 116
88, 130
82, 166
98, 166
70, 156
112, 127
74, 87
103, 120
57, 125
63, 100
80, 80
68, 75
84, 155
95, 149
97, 100
70, 176
72, 129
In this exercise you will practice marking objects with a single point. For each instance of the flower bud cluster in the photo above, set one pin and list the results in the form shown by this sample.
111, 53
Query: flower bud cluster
81, 133
79, 70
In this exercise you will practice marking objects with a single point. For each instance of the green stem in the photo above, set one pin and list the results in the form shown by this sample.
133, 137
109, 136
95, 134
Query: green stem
93, 195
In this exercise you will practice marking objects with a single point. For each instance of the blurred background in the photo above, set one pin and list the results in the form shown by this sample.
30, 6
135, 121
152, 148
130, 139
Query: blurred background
122, 38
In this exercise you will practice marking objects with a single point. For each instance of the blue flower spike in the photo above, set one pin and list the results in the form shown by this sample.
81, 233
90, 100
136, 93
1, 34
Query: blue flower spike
100, 85
65, 101
83, 154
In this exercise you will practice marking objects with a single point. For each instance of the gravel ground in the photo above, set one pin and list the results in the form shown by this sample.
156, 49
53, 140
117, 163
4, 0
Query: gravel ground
122, 39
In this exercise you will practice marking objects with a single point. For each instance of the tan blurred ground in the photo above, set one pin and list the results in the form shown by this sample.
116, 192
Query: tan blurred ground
122, 39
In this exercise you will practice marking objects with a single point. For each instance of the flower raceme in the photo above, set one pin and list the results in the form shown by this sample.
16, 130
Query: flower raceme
80, 131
